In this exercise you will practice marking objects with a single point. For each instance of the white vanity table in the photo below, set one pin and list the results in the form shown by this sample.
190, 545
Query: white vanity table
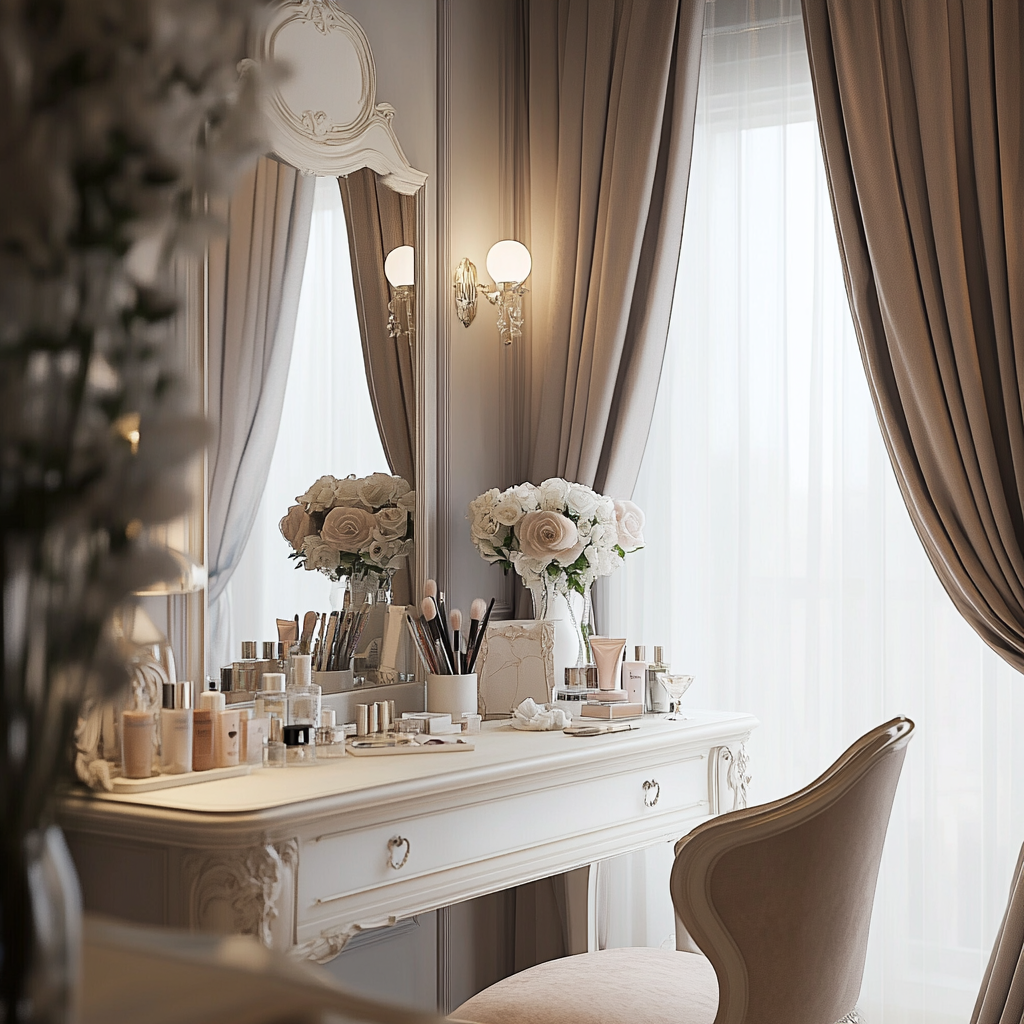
304, 858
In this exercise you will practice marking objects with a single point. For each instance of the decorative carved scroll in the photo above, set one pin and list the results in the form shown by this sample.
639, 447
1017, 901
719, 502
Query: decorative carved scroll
344, 128
247, 882
730, 778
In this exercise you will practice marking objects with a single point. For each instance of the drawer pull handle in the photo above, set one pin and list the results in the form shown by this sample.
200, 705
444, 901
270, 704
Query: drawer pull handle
395, 843
651, 787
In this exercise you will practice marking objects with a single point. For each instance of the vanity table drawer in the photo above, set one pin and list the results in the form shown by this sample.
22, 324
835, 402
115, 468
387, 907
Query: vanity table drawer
341, 864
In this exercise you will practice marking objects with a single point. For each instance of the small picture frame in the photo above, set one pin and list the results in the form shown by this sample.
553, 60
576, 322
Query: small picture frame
517, 660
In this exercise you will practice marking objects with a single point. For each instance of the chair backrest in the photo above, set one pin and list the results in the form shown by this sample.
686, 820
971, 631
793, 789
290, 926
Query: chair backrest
779, 896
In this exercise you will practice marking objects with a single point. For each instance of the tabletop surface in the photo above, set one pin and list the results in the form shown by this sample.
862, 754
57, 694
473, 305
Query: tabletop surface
500, 752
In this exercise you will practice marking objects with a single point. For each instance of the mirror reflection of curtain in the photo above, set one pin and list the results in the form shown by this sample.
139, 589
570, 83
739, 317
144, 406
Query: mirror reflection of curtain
255, 274
380, 220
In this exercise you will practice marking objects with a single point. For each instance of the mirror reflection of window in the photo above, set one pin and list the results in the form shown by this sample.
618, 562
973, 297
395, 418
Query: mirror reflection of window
327, 426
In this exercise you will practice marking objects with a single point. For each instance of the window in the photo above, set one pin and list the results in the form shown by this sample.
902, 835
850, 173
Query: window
327, 426
783, 568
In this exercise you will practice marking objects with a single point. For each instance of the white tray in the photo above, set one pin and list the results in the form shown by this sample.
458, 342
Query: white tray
410, 748
122, 785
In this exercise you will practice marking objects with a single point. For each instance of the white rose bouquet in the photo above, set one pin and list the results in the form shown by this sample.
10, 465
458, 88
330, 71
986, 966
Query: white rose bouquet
559, 535
352, 527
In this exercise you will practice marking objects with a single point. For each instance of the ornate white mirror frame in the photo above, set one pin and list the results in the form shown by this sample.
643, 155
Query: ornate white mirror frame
325, 120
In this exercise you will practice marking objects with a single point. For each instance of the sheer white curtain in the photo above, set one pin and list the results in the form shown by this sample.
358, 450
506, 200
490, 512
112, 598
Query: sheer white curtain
327, 426
781, 566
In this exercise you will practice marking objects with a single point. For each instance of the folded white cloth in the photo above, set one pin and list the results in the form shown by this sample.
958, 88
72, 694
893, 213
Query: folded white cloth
532, 716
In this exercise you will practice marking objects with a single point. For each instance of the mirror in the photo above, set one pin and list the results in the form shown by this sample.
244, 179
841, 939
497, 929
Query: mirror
351, 403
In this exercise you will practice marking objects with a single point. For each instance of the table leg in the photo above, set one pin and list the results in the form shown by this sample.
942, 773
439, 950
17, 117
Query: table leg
444, 977
581, 909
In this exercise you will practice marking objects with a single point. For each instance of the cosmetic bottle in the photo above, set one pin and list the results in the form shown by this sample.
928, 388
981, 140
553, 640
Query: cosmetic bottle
138, 730
300, 670
276, 751
271, 698
300, 744
227, 678
634, 675
268, 663
657, 699
176, 729
253, 739
330, 737
202, 737
227, 739
205, 731
244, 670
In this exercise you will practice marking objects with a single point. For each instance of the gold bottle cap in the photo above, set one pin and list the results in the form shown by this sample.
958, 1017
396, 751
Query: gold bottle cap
248, 649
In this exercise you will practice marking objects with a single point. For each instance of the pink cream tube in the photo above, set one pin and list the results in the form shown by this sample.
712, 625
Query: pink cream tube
606, 656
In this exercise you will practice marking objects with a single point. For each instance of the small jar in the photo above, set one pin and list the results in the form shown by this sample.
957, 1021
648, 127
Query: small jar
300, 744
330, 737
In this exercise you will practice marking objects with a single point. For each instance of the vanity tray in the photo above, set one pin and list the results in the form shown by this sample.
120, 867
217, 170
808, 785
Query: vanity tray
450, 747
154, 782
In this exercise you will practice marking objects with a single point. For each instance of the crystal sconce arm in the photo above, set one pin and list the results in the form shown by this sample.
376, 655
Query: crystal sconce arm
509, 264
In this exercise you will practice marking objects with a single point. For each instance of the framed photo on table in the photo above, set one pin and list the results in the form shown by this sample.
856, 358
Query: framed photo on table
517, 660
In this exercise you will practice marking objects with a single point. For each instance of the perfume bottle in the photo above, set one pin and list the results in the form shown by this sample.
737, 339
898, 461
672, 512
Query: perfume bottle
300, 744
176, 729
244, 670
657, 699
634, 675
203, 734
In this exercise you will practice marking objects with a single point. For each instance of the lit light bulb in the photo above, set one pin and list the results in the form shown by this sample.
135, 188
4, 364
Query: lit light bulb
508, 262
400, 266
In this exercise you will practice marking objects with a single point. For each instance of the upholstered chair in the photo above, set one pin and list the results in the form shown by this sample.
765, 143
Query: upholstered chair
778, 897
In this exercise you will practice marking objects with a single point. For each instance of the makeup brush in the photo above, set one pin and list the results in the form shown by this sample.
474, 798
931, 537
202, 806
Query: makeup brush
437, 631
456, 620
471, 667
306, 637
422, 644
476, 613
430, 591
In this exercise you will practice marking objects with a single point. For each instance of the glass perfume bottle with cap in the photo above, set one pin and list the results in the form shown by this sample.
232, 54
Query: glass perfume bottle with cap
657, 698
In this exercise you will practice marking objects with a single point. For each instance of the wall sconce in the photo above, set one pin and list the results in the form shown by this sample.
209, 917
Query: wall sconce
509, 264
400, 270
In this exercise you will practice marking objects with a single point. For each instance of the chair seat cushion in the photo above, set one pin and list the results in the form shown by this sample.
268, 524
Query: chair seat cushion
613, 986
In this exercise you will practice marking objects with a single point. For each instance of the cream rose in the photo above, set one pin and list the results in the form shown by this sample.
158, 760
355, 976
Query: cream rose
348, 529
546, 535
407, 501
378, 489
629, 522
296, 526
552, 494
582, 500
391, 523
320, 496
346, 492
320, 555
507, 509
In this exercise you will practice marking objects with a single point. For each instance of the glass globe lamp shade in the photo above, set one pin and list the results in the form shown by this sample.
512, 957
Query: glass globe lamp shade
508, 262
400, 266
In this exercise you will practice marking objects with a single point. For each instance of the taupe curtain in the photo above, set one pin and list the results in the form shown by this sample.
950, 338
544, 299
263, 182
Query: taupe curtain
380, 220
612, 97
255, 274
1001, 998
920, 113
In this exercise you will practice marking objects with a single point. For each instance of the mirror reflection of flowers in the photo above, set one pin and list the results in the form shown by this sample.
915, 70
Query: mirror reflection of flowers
353, 526
558, 534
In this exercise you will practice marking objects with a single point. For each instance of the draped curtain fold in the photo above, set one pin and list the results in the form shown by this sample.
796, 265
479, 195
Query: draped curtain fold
612, 93
380, 220
255, 275
920, 107
920, 110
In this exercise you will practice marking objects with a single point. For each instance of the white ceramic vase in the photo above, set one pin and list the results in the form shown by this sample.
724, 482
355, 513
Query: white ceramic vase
568, 615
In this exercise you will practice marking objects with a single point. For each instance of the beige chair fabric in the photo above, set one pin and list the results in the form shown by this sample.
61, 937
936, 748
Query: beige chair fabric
921, 113
778, 896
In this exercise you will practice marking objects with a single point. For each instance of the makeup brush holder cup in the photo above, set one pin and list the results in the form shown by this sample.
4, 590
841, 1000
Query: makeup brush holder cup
452, 695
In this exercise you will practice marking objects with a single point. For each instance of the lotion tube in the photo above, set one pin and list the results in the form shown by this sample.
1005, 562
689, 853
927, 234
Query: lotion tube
607, 652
